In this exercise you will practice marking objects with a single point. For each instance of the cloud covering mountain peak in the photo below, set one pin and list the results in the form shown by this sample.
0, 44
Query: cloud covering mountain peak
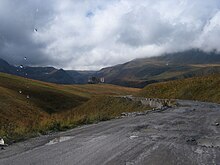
93, 34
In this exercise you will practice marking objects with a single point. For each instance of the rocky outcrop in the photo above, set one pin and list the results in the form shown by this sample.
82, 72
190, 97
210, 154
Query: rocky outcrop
157, 105
153, 102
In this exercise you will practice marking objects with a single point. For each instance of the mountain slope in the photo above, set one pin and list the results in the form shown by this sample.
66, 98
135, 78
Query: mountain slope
47, 74
80, 77
6, 67
140, 72
204, 88
29, 106
136, 73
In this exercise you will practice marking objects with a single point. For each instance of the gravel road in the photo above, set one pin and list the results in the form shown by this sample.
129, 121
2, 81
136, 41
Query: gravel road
185, 135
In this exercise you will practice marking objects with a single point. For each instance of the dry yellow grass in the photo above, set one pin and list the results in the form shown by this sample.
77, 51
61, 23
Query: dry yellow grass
205, 88
29, 106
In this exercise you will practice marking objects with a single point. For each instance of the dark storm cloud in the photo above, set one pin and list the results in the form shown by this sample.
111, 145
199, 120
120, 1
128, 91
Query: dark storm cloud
92, 34
18, 21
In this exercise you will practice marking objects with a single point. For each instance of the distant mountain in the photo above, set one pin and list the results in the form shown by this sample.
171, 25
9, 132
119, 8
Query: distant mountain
80, 77
136, 73
6, 67
47, 74
140, 72
194, 56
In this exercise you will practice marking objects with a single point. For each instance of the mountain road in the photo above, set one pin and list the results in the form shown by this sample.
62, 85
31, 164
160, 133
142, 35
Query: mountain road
186, 135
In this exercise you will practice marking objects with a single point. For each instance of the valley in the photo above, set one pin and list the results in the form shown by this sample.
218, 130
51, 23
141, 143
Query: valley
29, 107
109, 82
62, 114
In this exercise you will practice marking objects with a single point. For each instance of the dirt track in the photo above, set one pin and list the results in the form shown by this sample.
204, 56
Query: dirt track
189, 134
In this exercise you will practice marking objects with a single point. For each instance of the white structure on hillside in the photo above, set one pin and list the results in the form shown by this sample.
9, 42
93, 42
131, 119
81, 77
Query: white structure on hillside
2, 143
96, 80
102, 80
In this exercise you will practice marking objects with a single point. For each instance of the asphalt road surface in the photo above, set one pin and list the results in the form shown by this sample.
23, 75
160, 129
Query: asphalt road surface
188, 135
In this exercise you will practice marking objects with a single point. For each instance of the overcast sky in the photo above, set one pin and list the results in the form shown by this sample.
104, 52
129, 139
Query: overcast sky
91, 34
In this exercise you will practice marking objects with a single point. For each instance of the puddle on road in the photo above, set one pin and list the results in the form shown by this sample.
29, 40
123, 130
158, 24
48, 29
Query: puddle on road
141, 127
59, 140
99, 138
133, 137
208, 142
199, 151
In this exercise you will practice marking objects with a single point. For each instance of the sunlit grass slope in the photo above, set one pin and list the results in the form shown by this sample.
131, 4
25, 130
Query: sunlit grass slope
204, 88
28, 107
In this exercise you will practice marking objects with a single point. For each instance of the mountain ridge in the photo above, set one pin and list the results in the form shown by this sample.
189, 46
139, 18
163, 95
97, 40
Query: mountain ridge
135, 73
141, 72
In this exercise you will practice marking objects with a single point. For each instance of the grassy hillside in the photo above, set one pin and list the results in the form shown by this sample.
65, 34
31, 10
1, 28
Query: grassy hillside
205, 88
141, 72
29, 106
100, 108
89, 90
139, 75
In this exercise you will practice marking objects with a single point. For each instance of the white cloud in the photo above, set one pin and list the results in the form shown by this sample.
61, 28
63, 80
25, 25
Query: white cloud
93, 34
